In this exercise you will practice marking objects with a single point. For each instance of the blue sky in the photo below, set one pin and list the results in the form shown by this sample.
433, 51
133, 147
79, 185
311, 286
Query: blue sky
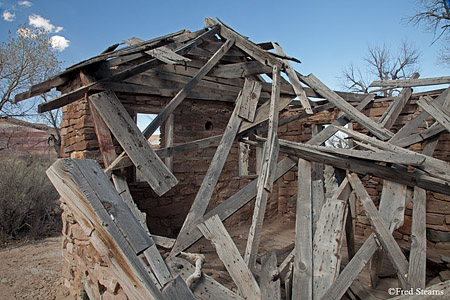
325, 35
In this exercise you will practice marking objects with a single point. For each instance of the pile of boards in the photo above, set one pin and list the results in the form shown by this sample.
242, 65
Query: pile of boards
232, 73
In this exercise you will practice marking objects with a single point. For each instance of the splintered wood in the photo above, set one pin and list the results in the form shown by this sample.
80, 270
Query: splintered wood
218, 64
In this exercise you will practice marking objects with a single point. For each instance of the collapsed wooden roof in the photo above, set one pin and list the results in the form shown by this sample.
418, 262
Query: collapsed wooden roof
231, 72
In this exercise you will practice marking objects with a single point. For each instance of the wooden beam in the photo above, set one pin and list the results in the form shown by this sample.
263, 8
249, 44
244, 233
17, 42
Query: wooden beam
346, 107
250, 96
303, 251
265, 178
381, 230
168, 140
177, 289
83, 195
133, 142
299, 91
243, 69
228, 253
437, 111
164, 114
411, 82
269, 280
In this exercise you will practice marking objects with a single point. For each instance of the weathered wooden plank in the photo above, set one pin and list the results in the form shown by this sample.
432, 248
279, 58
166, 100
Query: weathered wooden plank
79, 194
269, 281
177, 289
381, 229
78, 93
245, 45
265, 179
168, 142
133, 142
214, 231
418, 253
411, 82
346, 107
167, 56
419, 137
230, 206
389, 117
329, 131
303, 257
392, 210
250, 97
205, 288
412, 125
208, 185
170, 107
327, 246
437, 111
242, 69
299, 91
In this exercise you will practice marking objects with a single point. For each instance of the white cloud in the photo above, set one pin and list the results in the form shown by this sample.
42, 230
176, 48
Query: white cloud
8, 16
40, 22
25, 3
59, 43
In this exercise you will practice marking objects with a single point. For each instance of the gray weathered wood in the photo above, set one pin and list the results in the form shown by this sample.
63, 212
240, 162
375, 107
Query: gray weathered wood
381, 229
299, 91
133, 142
214, 231
240, 69
269, 281
327, 246
249, 99
346, 107
303, 257
204, 288
177, 289
265, 178
208, 185
168, 142
411, 82
79, 193
437, 111
170, 107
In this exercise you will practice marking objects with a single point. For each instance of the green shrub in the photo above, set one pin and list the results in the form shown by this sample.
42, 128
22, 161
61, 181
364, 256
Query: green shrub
29, 204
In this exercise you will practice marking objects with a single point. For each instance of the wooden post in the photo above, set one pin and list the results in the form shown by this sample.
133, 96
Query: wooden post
168, 141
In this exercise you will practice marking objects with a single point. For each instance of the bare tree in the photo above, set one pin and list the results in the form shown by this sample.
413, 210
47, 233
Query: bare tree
27, 58
382, 65
435, 16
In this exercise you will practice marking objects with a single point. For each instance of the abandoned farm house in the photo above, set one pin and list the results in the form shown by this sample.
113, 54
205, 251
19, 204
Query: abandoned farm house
245, 197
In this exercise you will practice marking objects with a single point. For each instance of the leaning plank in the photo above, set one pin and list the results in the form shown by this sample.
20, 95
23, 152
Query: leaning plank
418, 253
412, 125
346, 107
265, 178
381, 230
204, 288
250, 96
303, 258
437, 111
230, 206
164, 114
133, 142
214, 231
419, 137
177, 289
208, 185
299, 91
79, 193
269, 281
392, 210
411, 82
242, 69
327, 245
166, 55
388, 119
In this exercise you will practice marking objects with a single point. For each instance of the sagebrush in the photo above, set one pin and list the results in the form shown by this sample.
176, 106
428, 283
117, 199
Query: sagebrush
29, 204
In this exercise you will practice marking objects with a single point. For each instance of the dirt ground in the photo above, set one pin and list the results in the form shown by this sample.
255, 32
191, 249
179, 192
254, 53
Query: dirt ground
32, 270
